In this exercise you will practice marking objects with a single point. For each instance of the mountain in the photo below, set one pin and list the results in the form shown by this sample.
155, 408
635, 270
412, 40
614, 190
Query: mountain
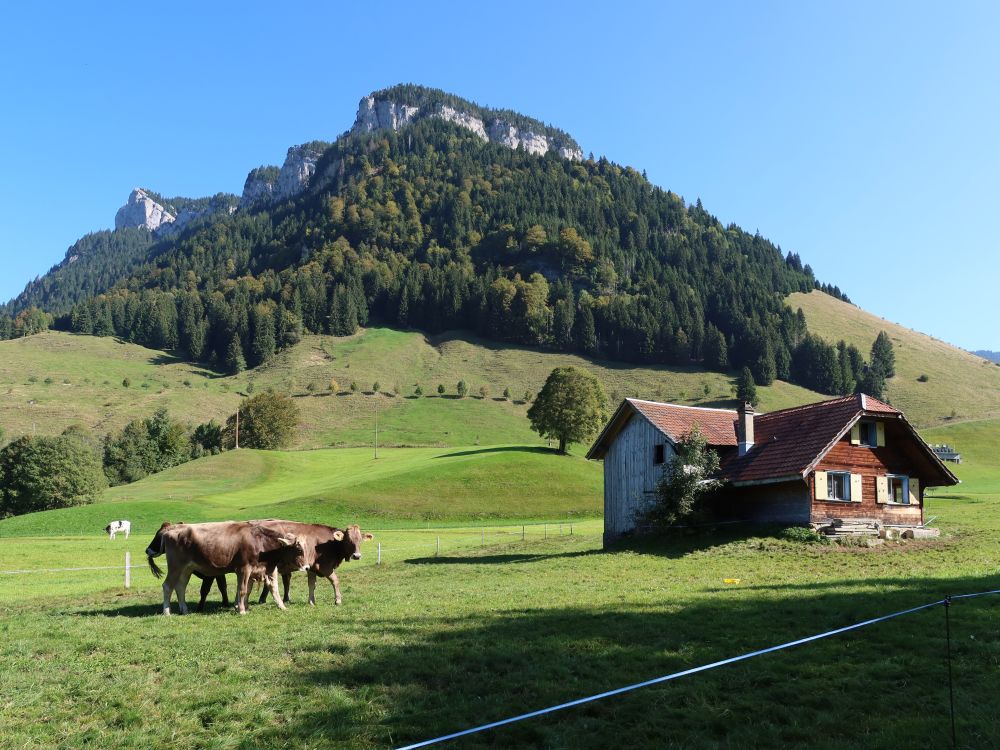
987, 354
436, 213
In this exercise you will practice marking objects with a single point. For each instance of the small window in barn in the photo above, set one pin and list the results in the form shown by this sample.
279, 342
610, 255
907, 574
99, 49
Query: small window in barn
838, 485
658, 454
899, 490
869, 434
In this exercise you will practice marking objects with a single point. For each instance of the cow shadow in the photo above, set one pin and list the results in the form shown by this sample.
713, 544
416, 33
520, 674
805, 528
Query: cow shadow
441, 674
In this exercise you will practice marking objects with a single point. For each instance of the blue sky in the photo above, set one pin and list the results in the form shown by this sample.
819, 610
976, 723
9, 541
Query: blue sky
864, 138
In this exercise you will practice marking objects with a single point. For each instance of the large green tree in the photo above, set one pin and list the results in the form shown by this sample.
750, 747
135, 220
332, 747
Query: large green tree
267, 421
571, 407
41, 473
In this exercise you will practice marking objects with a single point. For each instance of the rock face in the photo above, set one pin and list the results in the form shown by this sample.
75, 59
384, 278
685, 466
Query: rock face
298, 169
142, 211
259, 185
385, 114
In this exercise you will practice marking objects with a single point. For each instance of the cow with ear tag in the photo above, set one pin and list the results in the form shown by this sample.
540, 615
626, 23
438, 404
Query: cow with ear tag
325, 548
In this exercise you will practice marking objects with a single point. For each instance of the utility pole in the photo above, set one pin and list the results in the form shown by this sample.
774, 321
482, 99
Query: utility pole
237, 429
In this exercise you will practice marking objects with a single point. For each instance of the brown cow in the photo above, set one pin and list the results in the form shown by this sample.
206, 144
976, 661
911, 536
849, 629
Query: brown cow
251, 550
325, 548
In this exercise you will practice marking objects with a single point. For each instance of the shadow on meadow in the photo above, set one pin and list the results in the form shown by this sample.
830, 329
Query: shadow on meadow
884, 686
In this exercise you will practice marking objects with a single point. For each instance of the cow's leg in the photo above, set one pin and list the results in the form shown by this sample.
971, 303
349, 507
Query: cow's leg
221, 580
112, 535
242, 590
263, 594
336, 586
206, 588
286, 581
170, 584
312, 589
271, 580
181, 590
127, 533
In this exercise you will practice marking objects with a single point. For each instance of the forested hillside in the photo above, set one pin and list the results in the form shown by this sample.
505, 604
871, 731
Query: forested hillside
430, 227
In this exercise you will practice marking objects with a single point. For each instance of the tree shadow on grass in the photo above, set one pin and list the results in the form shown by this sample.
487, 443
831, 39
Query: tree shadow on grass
499, 559
434, 675
503, 449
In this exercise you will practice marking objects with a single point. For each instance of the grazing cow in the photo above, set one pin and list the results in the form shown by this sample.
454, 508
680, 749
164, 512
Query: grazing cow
118, 526
252, 550
325, 548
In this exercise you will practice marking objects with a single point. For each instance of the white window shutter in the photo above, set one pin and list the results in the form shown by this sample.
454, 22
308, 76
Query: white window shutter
855, 488
880, 434
822, 489
856, 434
914, 491
882, 490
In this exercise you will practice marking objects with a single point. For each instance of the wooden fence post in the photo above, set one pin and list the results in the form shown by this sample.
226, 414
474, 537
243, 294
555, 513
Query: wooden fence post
128, 569
378, 560
437, 552
522, 533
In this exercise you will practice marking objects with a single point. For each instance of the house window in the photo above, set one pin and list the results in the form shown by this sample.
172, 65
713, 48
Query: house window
838, 485
869, 434
899, 489
658, 454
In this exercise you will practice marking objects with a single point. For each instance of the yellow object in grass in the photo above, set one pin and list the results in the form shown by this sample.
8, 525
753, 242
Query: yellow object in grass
730, 580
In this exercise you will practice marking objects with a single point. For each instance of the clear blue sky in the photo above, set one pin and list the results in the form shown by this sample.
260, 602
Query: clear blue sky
864, 138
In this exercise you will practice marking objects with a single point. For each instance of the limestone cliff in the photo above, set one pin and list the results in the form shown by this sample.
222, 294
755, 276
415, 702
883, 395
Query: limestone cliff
142, 211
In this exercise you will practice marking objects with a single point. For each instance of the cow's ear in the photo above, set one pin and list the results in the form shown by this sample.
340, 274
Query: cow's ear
338, 535
287, 541
368, 537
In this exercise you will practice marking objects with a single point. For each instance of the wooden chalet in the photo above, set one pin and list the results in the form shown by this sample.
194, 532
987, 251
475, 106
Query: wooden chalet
853, 459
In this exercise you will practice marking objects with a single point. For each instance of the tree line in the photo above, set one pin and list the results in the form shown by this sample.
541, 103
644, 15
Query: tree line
73, 468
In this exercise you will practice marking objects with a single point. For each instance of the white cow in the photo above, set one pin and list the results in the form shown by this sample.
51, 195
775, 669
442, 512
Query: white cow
115, 526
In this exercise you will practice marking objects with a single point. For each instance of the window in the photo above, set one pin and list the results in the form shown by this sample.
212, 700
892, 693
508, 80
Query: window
869, 434
899, 489
838, 485
658, 454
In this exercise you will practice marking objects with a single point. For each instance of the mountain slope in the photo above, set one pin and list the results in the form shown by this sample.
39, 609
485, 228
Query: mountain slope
959, 385
438, 214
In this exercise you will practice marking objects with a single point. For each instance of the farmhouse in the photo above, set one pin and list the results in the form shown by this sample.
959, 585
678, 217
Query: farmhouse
853, 458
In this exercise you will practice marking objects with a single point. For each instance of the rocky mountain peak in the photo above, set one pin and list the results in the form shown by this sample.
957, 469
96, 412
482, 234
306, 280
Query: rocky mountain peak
142, 211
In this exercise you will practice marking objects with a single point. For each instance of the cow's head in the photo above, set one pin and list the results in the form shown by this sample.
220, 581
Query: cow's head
107, 529
155, 549
351, 539
275, 544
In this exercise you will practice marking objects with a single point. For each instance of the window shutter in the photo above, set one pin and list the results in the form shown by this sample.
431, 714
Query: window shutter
880, 434
914, 491
856, 488
856, 434
821, 488
882, 490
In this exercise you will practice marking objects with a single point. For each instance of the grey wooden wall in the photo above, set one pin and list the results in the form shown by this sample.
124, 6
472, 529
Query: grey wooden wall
630, 476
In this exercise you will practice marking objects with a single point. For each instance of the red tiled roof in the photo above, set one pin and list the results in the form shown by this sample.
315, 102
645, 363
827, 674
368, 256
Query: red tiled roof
786, 442
675, 421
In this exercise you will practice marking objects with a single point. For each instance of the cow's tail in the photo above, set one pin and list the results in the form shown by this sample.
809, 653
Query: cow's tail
154, 567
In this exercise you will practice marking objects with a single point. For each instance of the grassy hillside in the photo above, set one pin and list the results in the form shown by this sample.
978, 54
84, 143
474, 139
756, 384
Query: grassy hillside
958, 382
85, 377
426, 644
404, 486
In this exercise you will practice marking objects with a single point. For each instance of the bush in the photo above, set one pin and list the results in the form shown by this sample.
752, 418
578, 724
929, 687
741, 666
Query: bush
923, 379
506, 394
440, 389
687, 479
333, 386
311, 387
802, 534
48, 381
418, 391
484, 392
462, 389
354, 386
376, 387
41, 473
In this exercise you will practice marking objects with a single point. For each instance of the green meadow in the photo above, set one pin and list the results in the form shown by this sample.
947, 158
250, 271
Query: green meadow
490, 624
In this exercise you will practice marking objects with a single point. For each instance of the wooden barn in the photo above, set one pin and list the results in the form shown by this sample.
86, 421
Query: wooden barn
853, 459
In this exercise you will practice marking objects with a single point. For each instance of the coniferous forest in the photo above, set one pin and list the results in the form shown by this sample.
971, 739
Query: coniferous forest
432, 228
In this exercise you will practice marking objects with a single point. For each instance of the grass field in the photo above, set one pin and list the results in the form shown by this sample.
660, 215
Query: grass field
960, 385
53, 380
495, 626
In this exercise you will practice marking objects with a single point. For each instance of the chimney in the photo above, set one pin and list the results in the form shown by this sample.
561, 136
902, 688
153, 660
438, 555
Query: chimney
744, 427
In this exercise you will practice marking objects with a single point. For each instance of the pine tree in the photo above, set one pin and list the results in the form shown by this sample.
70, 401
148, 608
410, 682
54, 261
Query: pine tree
235, 362
716, 351
883, 356
746, 389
